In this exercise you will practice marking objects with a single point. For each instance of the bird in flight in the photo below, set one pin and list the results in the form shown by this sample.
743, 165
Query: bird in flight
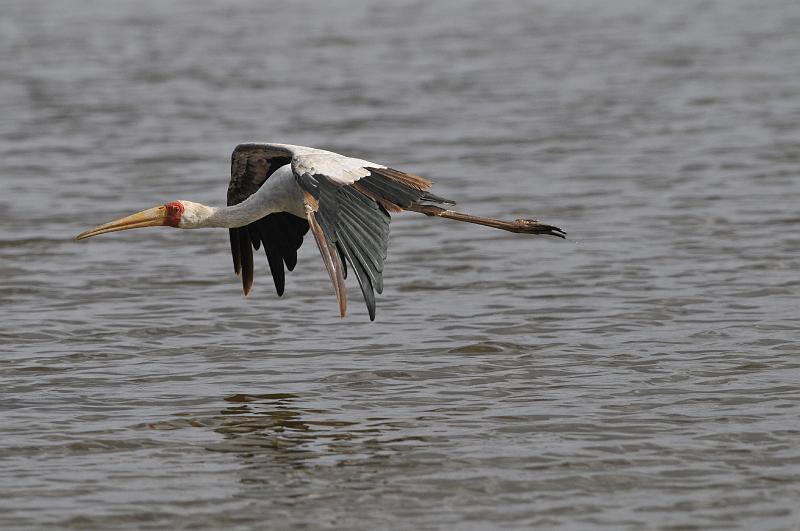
278, 192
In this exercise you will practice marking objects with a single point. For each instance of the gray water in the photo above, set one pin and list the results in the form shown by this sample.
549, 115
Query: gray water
641, 374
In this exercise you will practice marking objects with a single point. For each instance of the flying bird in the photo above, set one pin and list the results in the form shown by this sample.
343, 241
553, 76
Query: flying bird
278, 192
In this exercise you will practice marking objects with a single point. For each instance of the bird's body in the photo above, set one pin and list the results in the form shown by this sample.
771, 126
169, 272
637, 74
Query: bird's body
278, 192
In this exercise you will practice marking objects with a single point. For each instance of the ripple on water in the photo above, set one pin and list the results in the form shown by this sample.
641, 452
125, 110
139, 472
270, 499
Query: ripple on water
640, 374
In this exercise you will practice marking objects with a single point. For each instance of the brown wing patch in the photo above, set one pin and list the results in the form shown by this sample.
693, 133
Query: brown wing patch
375, 196
408, 179
395, 190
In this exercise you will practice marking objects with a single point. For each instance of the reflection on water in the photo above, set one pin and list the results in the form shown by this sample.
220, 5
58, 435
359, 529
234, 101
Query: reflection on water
269, 422
640, 375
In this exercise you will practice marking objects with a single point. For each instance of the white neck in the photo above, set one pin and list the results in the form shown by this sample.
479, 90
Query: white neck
280, 193
199, 216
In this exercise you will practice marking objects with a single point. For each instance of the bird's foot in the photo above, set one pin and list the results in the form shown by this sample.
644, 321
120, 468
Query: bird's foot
532, 226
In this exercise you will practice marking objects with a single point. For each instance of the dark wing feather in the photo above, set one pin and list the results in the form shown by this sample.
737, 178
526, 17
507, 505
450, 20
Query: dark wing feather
356, 226
281, 234
354, 219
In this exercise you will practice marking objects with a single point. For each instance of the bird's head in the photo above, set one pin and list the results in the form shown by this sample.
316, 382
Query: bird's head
180, 214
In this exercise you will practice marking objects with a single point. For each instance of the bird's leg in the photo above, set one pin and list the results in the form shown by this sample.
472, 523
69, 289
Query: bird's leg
525, 226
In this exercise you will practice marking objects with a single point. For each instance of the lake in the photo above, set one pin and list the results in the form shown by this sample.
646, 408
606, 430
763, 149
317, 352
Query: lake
642, 374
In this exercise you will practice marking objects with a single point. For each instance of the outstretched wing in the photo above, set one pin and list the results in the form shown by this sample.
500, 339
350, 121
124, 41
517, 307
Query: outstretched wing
347, 203
281, 234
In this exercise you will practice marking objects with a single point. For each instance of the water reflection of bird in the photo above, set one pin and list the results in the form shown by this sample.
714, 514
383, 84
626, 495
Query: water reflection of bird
278, 191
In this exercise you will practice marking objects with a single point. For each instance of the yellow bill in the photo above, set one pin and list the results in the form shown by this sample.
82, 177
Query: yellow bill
152, 217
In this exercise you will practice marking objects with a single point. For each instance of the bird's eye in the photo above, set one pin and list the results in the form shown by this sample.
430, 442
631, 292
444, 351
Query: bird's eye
174, 213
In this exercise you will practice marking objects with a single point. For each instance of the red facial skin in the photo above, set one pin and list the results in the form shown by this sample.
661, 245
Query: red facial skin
174, 213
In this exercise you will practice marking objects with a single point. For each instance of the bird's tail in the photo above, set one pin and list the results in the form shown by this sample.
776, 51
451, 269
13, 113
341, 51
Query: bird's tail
525, 226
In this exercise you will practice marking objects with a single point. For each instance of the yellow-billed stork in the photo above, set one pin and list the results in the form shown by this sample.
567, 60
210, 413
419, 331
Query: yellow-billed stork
278, 191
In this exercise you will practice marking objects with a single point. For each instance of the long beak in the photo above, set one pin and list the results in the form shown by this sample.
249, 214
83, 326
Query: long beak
152, 217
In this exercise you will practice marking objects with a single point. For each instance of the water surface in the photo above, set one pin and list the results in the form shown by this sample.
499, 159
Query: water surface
642, 374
